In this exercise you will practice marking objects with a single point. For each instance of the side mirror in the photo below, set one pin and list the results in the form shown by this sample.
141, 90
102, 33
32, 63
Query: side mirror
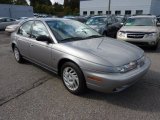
44, 38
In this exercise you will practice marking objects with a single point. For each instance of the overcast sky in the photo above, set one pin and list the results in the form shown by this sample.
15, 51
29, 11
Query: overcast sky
53, 1
60, 1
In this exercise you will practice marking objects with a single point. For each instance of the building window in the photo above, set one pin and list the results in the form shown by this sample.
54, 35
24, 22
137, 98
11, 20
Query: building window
84, 12
139, 12
108, 12
128, 12
100, 12
91, 12
118, 12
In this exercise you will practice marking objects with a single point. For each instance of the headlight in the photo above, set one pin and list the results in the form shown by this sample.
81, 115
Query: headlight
111, 70
153, 34
132, 65
141, 61
127, 67
121, 34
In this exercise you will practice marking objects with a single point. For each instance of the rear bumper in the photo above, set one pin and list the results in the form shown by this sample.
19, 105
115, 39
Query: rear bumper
115, 82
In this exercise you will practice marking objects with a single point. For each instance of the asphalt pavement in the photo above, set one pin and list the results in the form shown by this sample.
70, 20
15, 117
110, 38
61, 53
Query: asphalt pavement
28, 92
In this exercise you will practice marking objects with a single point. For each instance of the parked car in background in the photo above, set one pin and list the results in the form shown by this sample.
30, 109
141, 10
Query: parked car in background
69, 17
77, 18
79, 54
5, 21
12, 28
80, 19
121, 18
141, 30
22, 18
105, 25
158, 20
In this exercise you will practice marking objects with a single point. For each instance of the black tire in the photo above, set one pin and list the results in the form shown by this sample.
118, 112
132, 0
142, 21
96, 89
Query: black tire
82, 83
17, 55
104, 34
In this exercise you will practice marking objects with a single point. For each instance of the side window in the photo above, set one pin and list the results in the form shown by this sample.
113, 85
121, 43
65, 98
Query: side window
114, 19
8, 20
39, 29
25, 29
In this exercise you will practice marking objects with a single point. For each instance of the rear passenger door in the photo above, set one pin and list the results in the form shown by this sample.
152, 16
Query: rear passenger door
23, 37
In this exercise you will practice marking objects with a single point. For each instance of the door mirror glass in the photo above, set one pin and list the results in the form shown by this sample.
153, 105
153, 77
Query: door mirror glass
44, 38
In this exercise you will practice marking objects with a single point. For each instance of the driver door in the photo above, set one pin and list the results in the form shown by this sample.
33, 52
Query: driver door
40, 51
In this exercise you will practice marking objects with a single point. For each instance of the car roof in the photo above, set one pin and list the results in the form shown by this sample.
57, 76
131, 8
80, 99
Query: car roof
99, 17
47, 19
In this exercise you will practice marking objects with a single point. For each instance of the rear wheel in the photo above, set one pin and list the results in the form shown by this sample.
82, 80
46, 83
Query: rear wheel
73, 78
17, 55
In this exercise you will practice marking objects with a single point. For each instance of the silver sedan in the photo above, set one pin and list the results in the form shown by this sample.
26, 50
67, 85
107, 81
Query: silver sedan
80, 55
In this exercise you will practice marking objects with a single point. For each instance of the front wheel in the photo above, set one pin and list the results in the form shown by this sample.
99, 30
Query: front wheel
73, 78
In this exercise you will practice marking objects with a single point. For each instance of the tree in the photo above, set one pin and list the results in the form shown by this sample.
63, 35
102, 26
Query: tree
42, 2
6, 1
71, 5
20, 2
58, 7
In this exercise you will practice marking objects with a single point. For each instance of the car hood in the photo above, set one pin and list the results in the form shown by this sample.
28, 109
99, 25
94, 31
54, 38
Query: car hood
138, 29
104, 51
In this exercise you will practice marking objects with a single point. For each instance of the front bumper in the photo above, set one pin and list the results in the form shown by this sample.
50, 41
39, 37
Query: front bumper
140, 41
115, 82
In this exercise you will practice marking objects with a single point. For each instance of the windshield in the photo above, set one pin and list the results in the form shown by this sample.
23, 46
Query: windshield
140, 22
97, 21
66, 30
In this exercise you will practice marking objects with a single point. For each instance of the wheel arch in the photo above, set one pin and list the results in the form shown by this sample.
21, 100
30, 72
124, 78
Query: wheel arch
62, 61
13, 45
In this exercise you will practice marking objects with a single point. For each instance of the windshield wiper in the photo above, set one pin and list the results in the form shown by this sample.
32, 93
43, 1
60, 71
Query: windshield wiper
72, 39
94, 36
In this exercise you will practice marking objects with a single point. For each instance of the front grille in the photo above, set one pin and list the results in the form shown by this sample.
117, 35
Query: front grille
139, 43
135, 35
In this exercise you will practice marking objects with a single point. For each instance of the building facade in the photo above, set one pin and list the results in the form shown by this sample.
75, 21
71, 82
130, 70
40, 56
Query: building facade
15, 11
119, 7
